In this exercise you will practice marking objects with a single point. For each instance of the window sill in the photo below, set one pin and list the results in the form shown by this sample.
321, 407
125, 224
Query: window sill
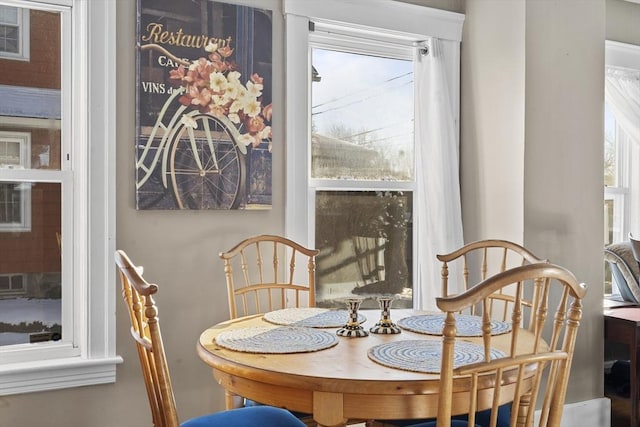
16, 378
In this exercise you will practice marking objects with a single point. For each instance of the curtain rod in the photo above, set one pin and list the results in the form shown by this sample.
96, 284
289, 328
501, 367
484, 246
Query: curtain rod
357, 32
423, 46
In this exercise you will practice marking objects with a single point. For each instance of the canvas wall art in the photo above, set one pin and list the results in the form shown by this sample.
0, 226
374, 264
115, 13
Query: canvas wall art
204, 109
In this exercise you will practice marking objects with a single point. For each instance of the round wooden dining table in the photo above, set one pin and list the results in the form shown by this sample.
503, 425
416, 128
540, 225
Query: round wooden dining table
336, 384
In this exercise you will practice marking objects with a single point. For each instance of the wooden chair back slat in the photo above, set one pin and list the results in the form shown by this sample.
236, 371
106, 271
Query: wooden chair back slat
260, 288
481, 259
538, 365
145, 329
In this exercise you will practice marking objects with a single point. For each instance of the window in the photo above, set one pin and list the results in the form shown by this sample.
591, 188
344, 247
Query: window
361, 143
57, 296
14, 33
12, 284
29, 247
351, 153
617, 166
15, 198
621, 151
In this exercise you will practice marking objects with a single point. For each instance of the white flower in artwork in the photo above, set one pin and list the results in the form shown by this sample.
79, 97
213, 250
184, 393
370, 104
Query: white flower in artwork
217, 81
211, 47
254, 89
234, 77
188, 121
252, 108
246, 139
213, 86
265, 133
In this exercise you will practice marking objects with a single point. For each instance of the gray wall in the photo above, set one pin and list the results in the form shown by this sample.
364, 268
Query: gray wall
563, 160
531, 147
492, 119
531, 170
622, 21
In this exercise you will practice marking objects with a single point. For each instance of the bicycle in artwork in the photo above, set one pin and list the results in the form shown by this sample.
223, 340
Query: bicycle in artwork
200, 136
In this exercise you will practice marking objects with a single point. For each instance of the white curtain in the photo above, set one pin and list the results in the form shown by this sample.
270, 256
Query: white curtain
437, 164
622, 93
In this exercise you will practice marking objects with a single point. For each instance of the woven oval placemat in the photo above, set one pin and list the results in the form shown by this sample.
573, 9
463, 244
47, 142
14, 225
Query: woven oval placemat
276, 339
426, 355
466, 325
313, 317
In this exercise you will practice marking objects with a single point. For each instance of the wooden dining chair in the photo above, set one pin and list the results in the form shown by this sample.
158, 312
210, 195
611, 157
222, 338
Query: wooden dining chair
145, 329
505, 389
266, 273
479, 260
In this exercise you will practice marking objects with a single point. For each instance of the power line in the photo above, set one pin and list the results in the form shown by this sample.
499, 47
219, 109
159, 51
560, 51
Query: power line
378, 129
339, 107
368, 89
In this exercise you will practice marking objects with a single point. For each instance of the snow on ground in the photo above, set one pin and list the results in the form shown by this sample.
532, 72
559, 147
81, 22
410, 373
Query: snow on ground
15, 311
11, 338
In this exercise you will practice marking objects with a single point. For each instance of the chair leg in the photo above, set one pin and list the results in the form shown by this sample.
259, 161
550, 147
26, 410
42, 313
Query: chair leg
523, 410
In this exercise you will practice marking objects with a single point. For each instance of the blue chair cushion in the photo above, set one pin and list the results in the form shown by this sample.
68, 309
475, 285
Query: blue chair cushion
504, 416
264, 416
249, 403
482, 419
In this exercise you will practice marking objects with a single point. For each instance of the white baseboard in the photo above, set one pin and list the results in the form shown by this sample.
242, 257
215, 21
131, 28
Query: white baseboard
589, 413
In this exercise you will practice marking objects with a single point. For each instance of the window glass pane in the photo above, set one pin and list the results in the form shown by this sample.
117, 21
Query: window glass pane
365, 243
13, 196
8, 15
9, 39
32, 120
610, 152
9, 29
621, 192
17, 282
30, 273
608, 221
30, 212
362, 117
34, 145
10, 153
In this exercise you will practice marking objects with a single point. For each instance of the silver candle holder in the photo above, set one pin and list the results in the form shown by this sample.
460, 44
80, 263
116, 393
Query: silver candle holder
385, 325
352, 328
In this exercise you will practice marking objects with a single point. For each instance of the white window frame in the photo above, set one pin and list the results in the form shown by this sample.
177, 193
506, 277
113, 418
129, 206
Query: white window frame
23, 139
384, 21
24, 42
88, 231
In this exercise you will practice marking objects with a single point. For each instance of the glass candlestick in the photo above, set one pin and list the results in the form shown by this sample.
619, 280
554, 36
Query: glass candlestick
353, 328
385, 325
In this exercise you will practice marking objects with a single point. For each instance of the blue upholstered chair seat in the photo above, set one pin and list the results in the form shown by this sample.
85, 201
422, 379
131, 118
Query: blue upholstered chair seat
249, 403
482, 419
247, 417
